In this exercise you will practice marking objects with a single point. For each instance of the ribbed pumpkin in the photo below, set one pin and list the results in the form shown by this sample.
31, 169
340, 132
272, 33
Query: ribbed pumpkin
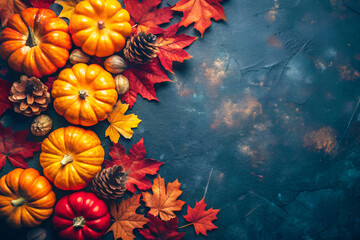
84, 94
26, 198
71, 157
100, 27
35, 42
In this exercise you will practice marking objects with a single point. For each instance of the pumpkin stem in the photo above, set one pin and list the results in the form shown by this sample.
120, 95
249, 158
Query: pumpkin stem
83, 93
78, 222
101, 24
18, 202
66, 159
31, 40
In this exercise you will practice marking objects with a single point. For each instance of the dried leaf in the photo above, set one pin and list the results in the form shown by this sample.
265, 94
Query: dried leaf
135, 164
171, 47
121, 123
126, 218
200, 12
15, 147
5, 103
201, 218
68, 7
141, 78
145, 16
159, 229
163, 202
10, 7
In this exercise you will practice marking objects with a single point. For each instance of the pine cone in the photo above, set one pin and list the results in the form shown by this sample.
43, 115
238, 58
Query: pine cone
29, 96
141, 48
109, 183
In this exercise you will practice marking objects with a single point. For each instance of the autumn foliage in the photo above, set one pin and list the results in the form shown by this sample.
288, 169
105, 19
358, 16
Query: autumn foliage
151, 205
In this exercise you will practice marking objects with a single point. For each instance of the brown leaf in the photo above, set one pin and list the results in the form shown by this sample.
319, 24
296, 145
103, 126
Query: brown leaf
126, 219
163, 202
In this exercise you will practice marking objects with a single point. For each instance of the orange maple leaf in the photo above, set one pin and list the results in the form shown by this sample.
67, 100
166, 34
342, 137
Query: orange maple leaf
200, 12
163, 202
201, 218
126, 219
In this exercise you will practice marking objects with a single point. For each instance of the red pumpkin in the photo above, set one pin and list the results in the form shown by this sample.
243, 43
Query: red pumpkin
81, 216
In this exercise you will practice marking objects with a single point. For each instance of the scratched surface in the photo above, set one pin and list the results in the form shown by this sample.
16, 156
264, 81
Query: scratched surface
269, 102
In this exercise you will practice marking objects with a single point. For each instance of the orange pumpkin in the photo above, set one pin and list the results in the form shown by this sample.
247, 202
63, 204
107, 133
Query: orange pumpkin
35, 42
71, 157
26, 198
100, 27
84, 94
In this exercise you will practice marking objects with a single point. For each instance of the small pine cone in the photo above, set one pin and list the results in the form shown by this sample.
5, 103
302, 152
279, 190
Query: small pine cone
141, 48
109, 183
29, 96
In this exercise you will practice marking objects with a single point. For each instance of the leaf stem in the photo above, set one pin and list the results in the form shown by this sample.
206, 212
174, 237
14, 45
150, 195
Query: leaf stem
186, 225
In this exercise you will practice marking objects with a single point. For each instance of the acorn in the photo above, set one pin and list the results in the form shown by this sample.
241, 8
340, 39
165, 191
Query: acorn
122, 84
115, 64
78, 56
41, 125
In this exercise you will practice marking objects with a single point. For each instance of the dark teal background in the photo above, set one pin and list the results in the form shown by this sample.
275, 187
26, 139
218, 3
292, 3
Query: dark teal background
268, 102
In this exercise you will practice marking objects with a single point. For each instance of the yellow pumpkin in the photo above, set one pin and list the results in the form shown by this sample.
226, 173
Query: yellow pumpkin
100, 27
84, 94
26, 198
71, 157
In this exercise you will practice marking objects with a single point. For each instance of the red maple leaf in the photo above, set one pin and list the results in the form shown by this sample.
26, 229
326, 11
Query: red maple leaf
142, 77
135, 164
53, 77
161, 230
201, 218
171, 47
4, 69
5, 103
42, 3
15, 147
49, 82
200, 12
146, 16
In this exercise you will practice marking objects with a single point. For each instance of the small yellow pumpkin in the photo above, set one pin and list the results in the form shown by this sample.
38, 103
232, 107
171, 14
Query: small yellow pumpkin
100, 27
84, 94
71, 157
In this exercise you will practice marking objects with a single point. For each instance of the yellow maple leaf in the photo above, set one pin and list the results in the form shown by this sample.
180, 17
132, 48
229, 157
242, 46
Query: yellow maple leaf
68, 7
121, 123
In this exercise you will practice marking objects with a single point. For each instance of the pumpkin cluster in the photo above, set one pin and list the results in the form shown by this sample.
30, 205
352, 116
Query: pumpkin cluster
90, 59
37, 43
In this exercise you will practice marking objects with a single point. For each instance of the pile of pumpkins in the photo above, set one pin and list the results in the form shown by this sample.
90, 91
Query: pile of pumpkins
37, 43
